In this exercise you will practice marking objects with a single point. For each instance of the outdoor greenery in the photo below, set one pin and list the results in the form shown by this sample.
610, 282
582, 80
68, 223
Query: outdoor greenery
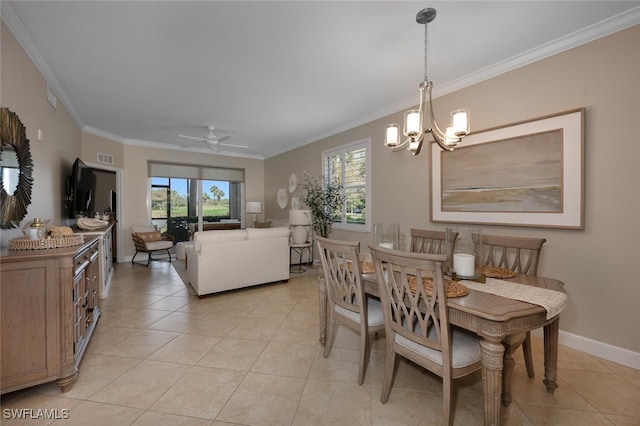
325, 199
217, 193
350, 168
174, 207
179, 203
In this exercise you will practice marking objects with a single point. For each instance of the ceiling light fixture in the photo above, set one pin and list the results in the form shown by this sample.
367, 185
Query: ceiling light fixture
416, 119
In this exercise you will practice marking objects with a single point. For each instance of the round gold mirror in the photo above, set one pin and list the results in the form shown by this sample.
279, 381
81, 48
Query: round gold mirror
16, 167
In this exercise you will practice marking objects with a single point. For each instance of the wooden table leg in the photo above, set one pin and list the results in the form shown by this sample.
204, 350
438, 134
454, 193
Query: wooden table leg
492, 354
322, 290
551, 332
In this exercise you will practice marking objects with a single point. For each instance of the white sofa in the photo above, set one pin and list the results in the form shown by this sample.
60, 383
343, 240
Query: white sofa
231, 259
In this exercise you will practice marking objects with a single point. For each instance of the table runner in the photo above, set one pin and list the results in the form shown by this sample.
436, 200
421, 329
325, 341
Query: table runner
553, 301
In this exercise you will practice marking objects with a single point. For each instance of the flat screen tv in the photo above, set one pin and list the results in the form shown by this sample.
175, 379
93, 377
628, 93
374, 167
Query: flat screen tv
82, 189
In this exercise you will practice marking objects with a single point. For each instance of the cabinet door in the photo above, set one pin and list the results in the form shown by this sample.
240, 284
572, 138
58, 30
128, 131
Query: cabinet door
29, 307
79, 310
92, 276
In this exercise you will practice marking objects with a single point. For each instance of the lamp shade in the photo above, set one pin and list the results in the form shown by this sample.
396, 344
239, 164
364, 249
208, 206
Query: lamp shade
300, 217
254, 207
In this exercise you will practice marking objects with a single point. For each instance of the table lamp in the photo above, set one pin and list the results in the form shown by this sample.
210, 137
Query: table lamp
299, 220
254, 207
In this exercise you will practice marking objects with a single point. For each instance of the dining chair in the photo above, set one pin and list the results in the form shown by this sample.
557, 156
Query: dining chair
429, 241
417, 321
348, 304
520, 255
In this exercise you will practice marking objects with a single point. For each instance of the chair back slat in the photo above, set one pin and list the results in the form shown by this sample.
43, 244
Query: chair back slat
407, 308
342, 273
518, 254
429, 241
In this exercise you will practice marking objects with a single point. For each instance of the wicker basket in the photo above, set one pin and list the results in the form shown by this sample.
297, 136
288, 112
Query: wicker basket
49, 243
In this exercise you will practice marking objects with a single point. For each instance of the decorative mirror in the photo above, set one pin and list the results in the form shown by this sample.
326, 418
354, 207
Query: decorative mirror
16, 167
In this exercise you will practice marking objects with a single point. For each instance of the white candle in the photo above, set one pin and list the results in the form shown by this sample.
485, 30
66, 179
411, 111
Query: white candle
464, 264
386, 245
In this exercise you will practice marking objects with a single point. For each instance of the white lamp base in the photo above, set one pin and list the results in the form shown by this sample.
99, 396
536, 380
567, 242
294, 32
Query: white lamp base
299, 235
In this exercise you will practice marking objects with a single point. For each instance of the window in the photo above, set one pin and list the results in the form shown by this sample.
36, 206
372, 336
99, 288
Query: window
351, 164
183, 195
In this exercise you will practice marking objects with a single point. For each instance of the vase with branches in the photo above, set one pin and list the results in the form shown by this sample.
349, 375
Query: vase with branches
325, 198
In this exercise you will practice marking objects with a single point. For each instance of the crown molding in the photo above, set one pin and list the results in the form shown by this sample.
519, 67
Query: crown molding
202, 150
103, 134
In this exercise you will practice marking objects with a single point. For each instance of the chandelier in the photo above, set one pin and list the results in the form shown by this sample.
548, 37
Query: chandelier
415, 120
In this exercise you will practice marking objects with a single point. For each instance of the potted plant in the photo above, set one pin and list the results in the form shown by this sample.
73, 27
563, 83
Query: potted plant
324, 198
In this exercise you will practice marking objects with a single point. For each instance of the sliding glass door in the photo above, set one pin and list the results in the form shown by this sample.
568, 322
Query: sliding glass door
179, 206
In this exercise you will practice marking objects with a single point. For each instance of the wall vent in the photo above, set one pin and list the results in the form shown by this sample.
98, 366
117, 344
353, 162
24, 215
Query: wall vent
105, 158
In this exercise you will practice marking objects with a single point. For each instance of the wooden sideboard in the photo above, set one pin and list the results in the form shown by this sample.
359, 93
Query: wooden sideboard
107, 256
49, 302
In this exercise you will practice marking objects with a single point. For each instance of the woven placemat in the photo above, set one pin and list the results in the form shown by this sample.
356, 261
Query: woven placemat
495, 272
49, 243
452, 288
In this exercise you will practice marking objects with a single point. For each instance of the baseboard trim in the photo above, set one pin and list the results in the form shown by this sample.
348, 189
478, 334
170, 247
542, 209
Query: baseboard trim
593, 347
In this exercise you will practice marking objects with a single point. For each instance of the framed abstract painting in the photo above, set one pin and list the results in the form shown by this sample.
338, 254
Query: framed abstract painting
524, 174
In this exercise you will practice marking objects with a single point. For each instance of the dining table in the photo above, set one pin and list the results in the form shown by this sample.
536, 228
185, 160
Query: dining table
493, 318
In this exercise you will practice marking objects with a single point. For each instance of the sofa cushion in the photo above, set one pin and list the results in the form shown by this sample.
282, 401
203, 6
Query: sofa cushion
206, 237
265, 233
276, 223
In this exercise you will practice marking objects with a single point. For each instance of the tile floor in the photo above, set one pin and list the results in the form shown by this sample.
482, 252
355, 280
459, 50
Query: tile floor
161, 356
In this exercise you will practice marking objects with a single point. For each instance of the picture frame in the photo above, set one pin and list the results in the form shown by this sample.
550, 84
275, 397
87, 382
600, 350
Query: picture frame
529, 173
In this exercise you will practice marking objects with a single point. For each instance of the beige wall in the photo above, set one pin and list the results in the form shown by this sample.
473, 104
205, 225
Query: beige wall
24, 91
597, 264
92, 145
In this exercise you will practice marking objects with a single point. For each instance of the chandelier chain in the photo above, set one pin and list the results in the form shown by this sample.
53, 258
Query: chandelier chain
426, 39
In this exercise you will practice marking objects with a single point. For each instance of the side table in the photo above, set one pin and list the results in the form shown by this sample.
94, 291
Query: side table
300, 249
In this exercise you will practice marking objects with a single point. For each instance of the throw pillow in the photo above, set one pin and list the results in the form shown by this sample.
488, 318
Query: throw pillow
149, 237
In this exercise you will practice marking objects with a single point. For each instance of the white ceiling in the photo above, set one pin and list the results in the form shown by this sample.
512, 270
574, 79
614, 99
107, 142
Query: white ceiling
278, 75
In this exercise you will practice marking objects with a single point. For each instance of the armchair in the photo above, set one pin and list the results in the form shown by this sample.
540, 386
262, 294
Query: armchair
148, 240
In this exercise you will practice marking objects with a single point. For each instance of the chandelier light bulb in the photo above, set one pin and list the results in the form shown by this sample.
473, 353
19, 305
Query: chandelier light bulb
450, 137
460, 122
392, 136
412, 123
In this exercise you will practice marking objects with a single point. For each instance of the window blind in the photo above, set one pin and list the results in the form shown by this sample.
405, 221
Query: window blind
350, 165
190, 171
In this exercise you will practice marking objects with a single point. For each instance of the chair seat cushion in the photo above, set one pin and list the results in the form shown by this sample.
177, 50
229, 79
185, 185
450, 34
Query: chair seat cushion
158, 245
465, 348
374, 310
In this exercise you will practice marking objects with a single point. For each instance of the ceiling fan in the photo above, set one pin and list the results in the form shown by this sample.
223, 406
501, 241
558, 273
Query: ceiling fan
211, 140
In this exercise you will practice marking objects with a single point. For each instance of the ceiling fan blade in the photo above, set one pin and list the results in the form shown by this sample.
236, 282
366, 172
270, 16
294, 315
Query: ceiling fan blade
234, 146
191, 137
191, 145
222, 138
